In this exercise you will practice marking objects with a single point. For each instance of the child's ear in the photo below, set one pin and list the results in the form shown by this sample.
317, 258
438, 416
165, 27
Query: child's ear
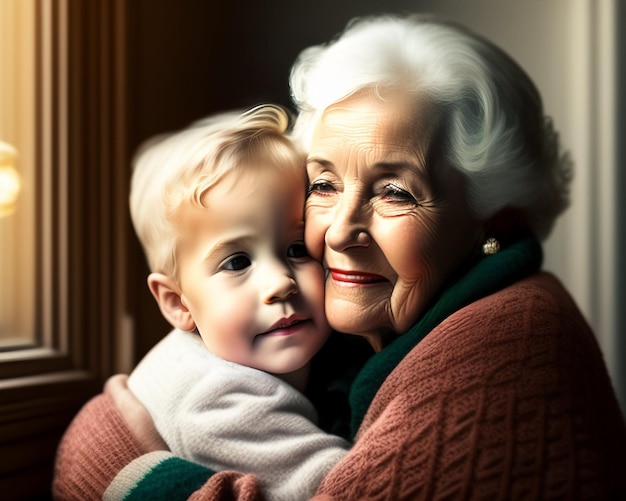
165, 291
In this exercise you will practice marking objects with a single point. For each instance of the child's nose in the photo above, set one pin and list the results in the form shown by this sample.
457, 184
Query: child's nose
280, 289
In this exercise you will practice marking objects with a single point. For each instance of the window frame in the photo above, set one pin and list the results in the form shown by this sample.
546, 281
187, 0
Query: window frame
83, 332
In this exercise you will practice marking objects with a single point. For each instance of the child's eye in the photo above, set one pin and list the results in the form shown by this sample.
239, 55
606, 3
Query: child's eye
237, 263
297, 250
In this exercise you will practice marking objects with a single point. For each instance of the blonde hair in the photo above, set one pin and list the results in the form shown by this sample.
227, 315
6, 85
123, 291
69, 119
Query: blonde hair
177, 170
494, 129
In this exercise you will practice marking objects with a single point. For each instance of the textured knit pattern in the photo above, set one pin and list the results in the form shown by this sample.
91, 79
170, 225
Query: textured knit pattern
98, 448
227, 416
520, 408
84, 473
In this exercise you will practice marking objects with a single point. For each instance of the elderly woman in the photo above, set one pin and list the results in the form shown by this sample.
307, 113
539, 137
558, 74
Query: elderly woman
433, 175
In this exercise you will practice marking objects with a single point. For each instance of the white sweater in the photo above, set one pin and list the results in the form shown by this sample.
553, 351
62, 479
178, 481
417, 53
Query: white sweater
227, 416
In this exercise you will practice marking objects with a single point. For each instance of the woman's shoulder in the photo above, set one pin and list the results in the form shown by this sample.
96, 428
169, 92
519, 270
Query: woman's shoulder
534, 319
543, 287
535, 306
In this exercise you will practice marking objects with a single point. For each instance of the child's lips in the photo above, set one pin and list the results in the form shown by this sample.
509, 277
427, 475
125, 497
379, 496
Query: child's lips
285, 326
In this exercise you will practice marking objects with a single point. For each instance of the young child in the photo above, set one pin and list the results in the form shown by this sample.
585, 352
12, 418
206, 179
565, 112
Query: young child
218, 208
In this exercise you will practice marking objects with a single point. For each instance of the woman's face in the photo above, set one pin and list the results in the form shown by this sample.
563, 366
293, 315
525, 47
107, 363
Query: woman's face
385, 212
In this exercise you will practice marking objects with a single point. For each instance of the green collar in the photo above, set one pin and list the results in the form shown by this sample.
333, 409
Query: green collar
491, 274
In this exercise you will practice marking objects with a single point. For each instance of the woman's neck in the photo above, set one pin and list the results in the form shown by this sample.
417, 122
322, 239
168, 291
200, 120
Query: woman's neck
378, 340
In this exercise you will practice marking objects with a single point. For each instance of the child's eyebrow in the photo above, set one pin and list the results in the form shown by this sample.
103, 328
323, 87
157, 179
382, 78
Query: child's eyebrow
228, 246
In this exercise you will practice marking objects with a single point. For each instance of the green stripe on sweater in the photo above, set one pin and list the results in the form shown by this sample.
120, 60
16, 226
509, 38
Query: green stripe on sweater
173, 478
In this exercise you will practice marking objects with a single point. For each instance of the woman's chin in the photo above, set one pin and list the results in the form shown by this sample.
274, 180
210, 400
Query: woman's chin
354, 318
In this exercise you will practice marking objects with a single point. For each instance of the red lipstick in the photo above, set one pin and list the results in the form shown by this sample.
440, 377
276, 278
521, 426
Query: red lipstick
355, 277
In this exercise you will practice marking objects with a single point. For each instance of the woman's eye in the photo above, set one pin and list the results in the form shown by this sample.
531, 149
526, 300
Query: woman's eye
237, 263
320, 188
297, 251
396, 194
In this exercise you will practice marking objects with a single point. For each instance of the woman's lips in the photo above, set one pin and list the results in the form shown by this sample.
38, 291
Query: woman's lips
355, 277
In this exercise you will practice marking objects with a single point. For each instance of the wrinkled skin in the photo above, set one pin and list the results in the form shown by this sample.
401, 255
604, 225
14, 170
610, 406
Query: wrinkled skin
385, 212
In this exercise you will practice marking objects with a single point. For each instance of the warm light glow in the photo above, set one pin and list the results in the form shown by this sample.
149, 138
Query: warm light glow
9, 179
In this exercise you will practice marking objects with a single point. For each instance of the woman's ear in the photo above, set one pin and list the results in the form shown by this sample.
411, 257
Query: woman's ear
165, 291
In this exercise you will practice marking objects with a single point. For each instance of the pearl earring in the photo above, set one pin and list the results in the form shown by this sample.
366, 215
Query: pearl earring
491, 246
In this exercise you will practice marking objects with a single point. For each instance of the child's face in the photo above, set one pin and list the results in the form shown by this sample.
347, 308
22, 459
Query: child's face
255, 295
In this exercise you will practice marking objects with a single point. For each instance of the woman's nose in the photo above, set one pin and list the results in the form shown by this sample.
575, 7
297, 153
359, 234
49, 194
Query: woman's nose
279, 288
349, 225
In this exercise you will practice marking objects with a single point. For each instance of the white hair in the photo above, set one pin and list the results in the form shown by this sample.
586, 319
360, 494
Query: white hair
176, 170
494, 129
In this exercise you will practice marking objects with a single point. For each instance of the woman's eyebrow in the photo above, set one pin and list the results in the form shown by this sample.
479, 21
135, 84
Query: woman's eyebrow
395, 167
383, 165
320, 161
419, 168
400, 165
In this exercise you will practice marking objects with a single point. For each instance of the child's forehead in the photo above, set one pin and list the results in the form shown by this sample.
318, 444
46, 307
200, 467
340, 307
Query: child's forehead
257, 169
248, 203
256, 179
